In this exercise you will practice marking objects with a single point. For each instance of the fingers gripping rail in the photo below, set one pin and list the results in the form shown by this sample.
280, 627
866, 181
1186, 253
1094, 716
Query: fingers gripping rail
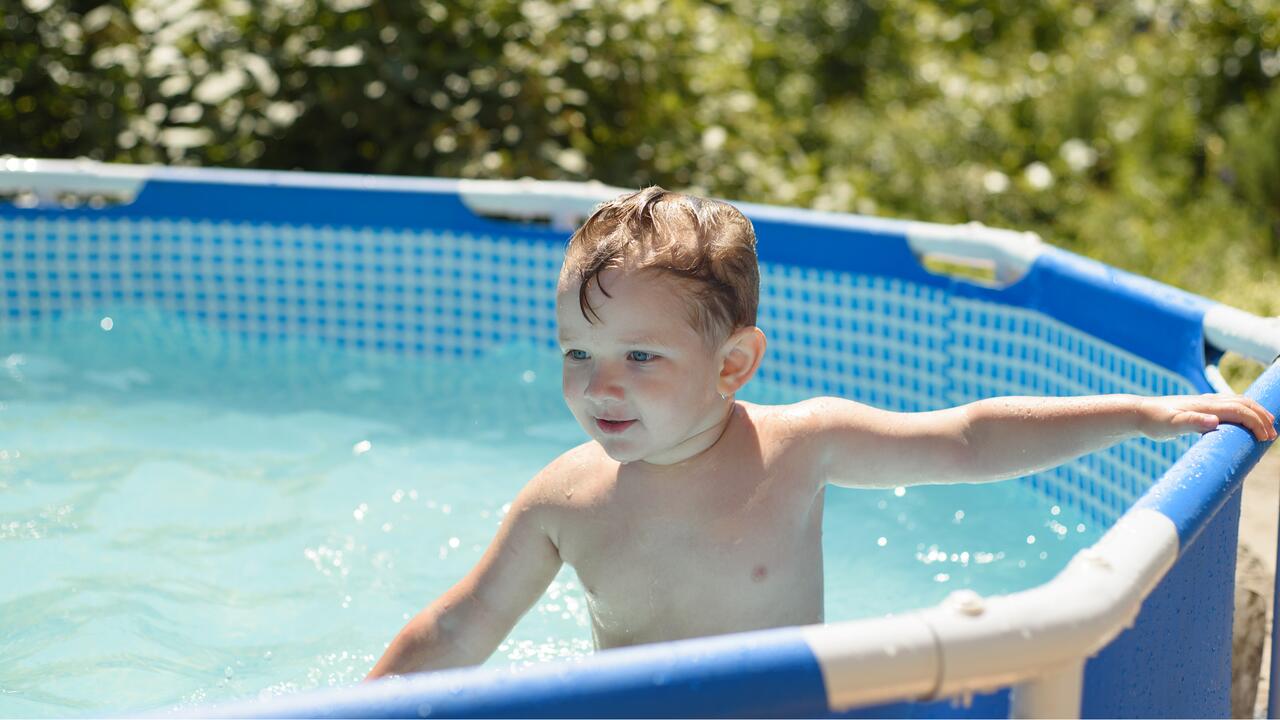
970, 644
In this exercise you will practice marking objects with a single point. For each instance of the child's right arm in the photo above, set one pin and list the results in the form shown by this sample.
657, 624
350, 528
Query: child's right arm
1002, 437
466, 624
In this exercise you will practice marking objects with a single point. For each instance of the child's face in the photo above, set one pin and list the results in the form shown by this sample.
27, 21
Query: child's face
639, 379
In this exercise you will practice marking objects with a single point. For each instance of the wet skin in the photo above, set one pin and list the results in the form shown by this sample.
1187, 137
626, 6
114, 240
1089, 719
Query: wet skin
729, 540
686, 515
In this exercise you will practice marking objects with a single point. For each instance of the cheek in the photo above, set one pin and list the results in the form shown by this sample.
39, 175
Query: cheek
572, 383
668, 397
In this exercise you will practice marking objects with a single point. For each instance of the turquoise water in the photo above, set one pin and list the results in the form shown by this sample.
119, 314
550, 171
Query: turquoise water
189, 518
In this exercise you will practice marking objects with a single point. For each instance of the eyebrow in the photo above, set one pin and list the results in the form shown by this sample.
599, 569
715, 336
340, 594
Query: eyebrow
642, 340
639, 340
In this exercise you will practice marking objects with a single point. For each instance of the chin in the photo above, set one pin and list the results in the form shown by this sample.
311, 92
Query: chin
621, 454
622, 450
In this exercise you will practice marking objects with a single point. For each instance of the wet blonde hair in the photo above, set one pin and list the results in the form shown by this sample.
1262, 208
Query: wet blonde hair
708, 245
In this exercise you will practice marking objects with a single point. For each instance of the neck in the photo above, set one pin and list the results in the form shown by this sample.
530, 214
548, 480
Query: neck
699, 444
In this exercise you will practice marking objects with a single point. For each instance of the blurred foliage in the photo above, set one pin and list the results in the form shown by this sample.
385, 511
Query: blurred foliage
1144, 134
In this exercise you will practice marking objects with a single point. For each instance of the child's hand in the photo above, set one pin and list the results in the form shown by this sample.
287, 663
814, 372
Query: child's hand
1166, 417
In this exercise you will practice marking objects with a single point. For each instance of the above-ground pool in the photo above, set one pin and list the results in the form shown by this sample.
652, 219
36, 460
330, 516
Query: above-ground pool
248, 421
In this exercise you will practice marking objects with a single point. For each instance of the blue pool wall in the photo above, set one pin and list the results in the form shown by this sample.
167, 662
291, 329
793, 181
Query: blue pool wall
848, 308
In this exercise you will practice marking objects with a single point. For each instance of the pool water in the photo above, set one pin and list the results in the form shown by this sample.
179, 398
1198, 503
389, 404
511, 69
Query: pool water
188, 517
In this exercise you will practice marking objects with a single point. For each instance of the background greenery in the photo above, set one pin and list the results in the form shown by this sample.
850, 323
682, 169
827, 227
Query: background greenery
1145, 134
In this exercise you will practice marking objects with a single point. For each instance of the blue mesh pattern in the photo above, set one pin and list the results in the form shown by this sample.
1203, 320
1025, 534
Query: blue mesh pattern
406, 291
884, 341
876, 340
908, 347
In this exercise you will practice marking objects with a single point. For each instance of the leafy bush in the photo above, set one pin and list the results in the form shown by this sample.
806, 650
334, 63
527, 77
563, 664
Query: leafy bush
1145, 134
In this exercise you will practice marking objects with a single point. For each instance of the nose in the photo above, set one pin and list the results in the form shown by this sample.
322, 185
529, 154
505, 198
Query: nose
603, 384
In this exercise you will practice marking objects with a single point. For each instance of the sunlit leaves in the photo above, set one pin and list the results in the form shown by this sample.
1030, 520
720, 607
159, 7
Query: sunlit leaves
1142, 133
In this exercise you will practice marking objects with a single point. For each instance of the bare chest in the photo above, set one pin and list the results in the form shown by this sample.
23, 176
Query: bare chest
716, 554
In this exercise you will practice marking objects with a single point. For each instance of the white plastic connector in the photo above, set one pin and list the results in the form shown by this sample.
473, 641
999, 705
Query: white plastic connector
1009, 251
871, 661
564, 204
1034, 638
48, 178
1254, 337
1056, 694
1217, 381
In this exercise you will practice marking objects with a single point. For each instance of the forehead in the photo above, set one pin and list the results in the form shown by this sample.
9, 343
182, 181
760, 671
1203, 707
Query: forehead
640, 304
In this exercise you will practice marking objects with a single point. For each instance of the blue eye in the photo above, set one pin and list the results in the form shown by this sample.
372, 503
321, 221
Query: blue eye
577, 354
640, 356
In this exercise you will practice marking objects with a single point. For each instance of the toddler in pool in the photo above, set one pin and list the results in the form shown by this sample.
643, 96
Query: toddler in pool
691, 513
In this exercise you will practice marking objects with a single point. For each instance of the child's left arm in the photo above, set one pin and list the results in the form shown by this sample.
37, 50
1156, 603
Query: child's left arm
1005, 437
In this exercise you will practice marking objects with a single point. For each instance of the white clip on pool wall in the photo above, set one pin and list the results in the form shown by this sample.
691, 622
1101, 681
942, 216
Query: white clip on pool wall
360, 261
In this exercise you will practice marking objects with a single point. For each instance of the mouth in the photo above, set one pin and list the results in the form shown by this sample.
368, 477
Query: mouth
613, 427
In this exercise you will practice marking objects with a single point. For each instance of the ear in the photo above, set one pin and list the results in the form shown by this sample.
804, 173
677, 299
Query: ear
740, 357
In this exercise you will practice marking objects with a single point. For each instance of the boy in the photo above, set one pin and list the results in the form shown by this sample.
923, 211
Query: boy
689, 513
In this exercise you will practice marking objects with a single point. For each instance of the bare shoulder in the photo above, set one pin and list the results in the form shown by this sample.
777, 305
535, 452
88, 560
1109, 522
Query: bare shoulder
574, 470
563, 485
814, 416
810, 434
